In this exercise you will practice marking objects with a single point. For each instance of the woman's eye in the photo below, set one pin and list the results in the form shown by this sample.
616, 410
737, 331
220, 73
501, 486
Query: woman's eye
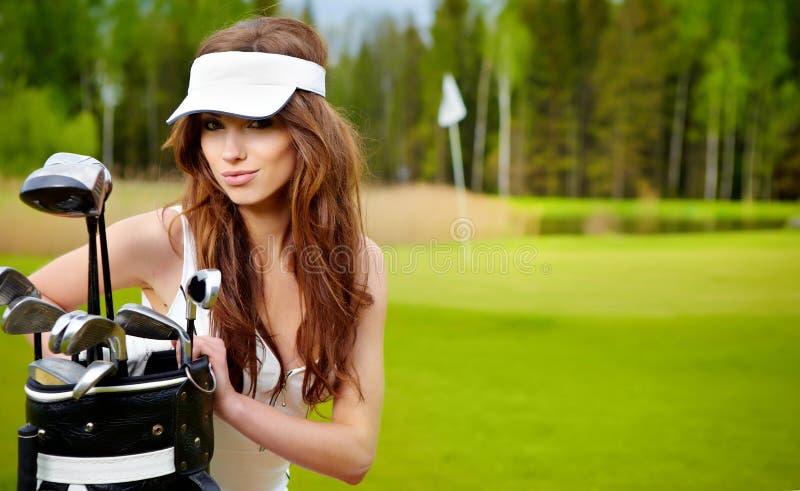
212, 125
261, 123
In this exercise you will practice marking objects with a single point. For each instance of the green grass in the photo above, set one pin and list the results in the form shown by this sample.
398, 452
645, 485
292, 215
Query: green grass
601, 363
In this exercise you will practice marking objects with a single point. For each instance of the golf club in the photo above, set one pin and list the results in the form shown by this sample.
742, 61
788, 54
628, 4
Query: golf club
94, 373
201, 290
31, 315
14, 284
75, 185
144, 322
60, 327
56, 371
87, 331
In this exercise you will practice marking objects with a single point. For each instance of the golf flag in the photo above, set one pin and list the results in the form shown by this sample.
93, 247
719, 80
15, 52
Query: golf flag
452, 109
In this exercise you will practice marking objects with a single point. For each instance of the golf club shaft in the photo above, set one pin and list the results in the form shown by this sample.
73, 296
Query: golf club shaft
106, 271
93, 303
37, 346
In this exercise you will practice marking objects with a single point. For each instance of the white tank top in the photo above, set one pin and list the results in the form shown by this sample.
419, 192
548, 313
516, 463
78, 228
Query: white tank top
238, 463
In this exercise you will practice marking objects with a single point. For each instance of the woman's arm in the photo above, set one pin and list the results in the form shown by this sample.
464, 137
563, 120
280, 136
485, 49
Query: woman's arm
343, 448
140, 255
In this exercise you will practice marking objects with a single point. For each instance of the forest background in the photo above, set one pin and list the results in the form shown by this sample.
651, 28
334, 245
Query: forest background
577, 98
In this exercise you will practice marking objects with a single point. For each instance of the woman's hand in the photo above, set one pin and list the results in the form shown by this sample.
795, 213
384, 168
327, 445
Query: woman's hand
214, 348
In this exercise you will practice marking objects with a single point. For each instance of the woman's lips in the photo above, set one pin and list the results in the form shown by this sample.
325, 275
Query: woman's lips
238, 177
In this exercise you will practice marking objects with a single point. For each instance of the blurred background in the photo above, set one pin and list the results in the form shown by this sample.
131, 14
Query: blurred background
615, 303
584, 98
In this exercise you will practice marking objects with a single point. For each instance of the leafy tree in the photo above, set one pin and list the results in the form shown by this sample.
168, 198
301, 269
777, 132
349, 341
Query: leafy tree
631, 92
37, 126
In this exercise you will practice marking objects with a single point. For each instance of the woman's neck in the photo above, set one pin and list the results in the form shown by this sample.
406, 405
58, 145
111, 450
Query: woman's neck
267, 227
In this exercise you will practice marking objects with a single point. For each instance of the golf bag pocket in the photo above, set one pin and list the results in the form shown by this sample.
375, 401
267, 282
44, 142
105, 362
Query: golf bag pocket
152, 428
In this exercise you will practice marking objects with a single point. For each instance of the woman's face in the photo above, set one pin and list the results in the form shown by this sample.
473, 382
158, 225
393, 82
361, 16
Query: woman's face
251, 159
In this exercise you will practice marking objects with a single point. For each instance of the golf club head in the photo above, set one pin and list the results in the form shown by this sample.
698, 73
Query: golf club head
74, 158
84, 332
60, 327
202, 289
95, 372
56, 371
14, 284
144, 322
76, 189
119, 348
29, 315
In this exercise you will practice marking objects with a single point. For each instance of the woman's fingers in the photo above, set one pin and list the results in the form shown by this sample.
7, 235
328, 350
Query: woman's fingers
214, 348
177, 349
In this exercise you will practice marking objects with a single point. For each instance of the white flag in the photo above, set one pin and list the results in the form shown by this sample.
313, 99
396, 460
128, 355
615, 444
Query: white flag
452, 109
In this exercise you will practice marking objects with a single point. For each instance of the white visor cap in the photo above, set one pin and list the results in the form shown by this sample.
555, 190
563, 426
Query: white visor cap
251, 85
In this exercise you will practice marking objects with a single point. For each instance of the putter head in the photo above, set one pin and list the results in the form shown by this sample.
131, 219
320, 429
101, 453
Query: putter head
68, 185
60, 327
84, 332
144, 322
94, 373
29, 315
14, 284
202, 289
56, 371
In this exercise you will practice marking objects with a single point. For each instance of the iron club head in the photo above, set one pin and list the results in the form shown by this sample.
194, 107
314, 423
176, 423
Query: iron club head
138, 320
60, 327
84, 332
55, 371
29, 315
14, 284
95, 372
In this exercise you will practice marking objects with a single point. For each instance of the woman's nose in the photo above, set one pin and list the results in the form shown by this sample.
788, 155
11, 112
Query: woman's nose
234, 146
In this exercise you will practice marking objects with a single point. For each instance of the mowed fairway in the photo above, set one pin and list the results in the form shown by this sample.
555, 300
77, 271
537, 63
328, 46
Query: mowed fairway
575, 363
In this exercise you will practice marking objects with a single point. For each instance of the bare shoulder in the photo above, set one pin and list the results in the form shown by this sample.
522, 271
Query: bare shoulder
153, 232
147, 246
372, 266
143, 250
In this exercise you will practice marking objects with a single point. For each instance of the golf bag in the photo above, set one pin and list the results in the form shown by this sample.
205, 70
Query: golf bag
148, 432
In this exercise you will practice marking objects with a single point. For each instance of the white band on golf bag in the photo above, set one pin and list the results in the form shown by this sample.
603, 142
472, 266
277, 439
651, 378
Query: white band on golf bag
105, 470
41, 396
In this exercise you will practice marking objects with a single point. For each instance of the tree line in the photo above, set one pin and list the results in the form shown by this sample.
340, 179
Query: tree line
583, 98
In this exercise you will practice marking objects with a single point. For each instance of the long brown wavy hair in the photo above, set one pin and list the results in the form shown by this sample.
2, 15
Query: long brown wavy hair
325, 230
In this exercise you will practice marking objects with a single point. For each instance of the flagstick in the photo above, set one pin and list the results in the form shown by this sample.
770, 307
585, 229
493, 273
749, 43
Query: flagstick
451, 111
461, 196
458, 170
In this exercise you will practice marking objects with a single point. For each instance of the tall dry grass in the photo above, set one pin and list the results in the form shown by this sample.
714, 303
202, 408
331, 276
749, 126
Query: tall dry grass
394, 215
28, 231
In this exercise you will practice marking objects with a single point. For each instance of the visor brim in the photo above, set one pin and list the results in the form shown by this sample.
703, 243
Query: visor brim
248, 102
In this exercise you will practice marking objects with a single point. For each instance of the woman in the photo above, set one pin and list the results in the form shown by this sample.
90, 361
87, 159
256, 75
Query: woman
271, 201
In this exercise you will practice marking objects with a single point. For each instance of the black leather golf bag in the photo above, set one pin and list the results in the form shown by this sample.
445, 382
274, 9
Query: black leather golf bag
148, 432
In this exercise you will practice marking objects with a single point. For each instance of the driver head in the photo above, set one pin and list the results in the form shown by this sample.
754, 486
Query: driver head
67, 186
74, 158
